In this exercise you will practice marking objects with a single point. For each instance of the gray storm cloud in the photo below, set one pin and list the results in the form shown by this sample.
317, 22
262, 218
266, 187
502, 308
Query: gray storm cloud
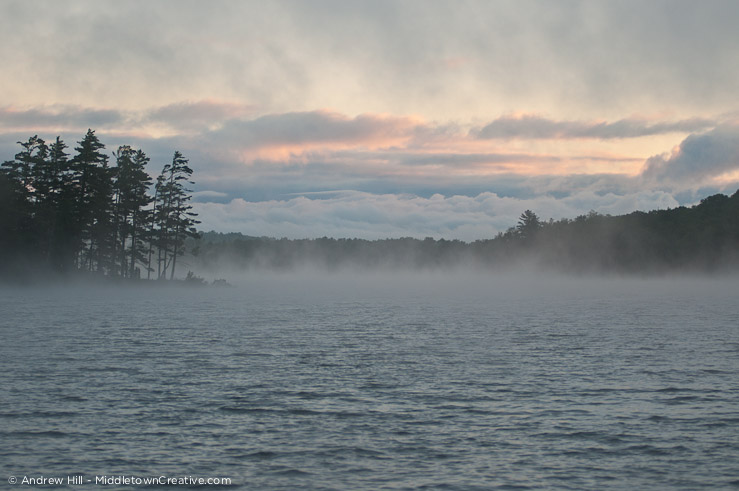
312, 127
199, 114
697, 158
59, 116
535, 127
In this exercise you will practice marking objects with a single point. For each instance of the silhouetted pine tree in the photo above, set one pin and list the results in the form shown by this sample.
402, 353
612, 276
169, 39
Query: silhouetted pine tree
528, 225
130, 215
92, 180
153, 235
19, 199
65, 237
175, 220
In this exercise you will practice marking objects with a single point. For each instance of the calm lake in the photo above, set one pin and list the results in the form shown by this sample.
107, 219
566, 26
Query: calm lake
370, 381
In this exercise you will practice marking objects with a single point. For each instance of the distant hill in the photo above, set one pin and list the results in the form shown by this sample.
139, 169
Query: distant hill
703, 238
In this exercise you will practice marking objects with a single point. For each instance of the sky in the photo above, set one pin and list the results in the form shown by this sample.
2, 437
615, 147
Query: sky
377, 119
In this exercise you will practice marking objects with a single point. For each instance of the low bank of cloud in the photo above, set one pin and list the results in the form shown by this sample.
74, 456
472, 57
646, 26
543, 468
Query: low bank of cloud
372, 216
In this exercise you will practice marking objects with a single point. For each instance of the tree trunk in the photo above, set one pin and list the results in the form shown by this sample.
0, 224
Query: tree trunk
174, 252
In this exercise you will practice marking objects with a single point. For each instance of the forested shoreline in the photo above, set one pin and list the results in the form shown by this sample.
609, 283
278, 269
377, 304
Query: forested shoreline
83, 215
702, 238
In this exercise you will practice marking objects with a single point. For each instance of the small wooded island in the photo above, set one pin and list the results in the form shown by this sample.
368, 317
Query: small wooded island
67, 215
83, 215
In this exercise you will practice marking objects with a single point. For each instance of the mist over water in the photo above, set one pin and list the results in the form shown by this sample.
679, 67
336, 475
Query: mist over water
359, 380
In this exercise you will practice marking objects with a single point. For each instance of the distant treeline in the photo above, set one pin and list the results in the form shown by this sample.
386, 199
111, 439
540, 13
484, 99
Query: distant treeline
62, 214
704, 237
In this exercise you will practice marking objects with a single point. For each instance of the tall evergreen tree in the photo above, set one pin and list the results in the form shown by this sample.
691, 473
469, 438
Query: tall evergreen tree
175, 218
131, 199
20, 175
528, 225
49, 188
94, 186
153, 235
66, 238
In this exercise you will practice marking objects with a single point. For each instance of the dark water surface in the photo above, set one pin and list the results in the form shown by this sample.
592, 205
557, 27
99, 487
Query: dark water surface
340, 382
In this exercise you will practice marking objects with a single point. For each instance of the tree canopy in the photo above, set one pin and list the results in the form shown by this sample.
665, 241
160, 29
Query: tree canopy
65, 214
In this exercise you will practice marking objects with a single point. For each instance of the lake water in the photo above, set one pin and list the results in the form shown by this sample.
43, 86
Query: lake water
446, 381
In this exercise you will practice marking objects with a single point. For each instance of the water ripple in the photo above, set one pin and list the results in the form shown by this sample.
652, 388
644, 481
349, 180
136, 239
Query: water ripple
595, 388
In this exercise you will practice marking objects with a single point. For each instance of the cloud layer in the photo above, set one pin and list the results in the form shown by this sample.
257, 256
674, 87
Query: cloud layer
321, 173
438, 59
536, 127
386, 118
